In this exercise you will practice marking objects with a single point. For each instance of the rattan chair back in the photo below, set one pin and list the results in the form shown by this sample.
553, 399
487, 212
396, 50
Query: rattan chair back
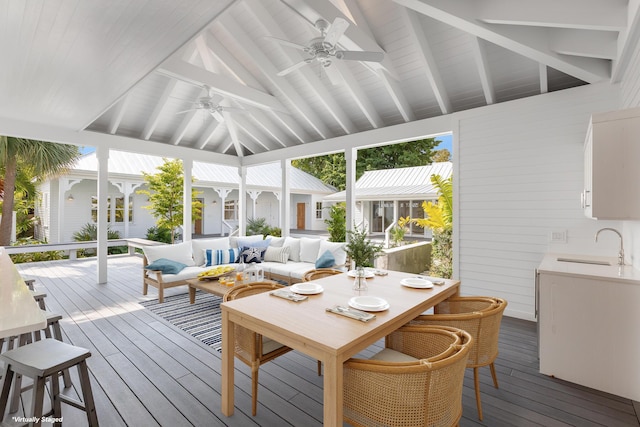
320, 273
424, 392
250, 346
481, 317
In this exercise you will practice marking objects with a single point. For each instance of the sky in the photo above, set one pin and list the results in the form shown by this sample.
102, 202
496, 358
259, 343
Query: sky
446, 143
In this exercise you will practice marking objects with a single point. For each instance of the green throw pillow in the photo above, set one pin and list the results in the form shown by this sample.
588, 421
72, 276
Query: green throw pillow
167, 266
326, 260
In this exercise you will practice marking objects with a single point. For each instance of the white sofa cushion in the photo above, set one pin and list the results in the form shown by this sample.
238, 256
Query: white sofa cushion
309, 249
336, 248
180, 252
200, 245
294, 248
240, 241
290, 269
276, 242
186, 273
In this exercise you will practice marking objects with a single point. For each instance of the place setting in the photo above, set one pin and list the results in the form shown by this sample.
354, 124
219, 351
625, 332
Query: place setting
361, 308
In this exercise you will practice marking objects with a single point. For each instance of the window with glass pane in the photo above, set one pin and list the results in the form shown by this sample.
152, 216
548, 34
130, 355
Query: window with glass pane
230, 209
94, 209
319, 210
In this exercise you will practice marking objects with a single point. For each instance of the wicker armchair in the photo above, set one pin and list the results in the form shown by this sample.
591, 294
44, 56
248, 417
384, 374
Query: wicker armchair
415, 381
481, 317
250, 347
320, 273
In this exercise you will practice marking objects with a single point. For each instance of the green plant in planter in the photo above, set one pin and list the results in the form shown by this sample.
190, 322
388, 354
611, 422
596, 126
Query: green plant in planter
398, 231
360, 249
440, 221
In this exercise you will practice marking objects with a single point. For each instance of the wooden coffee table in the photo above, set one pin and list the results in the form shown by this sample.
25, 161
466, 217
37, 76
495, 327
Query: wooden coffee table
210, 286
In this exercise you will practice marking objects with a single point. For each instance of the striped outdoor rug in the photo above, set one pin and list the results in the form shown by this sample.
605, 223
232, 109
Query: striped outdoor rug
202, 319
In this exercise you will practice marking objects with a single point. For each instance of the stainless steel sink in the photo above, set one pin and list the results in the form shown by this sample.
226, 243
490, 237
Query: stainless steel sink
584, 261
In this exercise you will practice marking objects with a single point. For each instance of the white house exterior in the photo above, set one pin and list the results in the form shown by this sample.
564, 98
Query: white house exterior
384, 196
68, 202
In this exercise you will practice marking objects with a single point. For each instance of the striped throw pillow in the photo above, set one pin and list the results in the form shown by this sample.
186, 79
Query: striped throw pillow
280, 255
220, 256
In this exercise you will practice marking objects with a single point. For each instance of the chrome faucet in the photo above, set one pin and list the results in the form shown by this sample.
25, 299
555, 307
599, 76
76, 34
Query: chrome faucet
621, 253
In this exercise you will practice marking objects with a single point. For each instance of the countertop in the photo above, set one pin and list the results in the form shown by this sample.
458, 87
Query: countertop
627, 273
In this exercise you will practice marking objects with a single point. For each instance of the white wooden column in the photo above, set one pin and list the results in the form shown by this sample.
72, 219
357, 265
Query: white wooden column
242, 197
223, 193
126, 188
254, 196
285, 198
351, 155
102, 154
187, 222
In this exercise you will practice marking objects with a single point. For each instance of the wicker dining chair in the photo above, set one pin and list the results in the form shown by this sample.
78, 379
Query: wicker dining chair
320, 273
481, 317
251, 347
416, 380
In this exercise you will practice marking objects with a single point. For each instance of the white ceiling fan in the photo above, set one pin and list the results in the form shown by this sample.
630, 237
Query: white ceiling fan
324, 49
211, 104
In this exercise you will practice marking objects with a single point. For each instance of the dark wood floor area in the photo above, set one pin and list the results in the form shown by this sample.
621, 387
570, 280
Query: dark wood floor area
146, 372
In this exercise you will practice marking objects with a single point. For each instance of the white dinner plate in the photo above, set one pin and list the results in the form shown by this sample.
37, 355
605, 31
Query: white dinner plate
308, 288
416, 282
367, 273
368, 303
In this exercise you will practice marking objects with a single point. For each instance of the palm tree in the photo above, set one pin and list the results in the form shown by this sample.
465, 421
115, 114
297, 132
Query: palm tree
47, 159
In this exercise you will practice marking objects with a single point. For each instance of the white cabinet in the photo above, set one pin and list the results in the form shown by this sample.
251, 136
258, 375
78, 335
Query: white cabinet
611, 159
589, 331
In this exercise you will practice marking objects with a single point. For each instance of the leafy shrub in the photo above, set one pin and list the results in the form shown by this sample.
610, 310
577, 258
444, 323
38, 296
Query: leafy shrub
337, 222
89, 232
34, 256
257, 226
160, 234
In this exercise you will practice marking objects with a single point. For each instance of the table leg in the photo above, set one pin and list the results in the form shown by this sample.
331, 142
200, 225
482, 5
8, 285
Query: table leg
228, 356
333, 393
192, 294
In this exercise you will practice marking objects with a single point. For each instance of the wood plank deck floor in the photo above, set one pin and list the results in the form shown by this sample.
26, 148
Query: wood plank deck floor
146, 372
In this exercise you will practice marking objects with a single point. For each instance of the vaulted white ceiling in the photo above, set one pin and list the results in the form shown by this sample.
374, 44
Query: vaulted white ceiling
123, 72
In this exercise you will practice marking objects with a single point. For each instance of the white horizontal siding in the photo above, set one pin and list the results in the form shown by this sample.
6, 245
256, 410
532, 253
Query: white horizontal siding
519, 174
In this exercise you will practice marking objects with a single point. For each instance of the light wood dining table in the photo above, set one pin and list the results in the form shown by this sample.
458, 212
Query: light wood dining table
19, 311
331, 338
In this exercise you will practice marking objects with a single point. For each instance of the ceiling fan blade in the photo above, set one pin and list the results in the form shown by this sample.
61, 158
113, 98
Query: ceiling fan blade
216, 115
292, 68
336, 30
359, 55
334, 75
287, 43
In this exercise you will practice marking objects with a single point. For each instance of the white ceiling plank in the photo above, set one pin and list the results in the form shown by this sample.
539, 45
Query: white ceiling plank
429, 64
223, 85
292, 126
252, 131
233, 132
160, 105
240, 73
544, 79
207, 133
591, 44
337, 112
399, 100
354, 89
525, 41
480, 54
120, 110
266, 124
205, 54
181, 129
603, 15
627, 42
270, 72
353, 38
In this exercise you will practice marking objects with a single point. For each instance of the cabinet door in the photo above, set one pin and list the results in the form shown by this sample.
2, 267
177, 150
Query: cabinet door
612, 178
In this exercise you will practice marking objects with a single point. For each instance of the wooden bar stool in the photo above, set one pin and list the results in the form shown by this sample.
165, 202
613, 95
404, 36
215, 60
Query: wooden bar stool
47, 358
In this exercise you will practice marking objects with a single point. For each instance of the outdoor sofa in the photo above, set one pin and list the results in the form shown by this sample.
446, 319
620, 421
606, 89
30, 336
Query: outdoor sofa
286, 259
